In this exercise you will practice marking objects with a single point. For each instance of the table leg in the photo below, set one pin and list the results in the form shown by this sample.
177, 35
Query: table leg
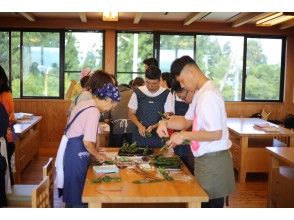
194, 205
94, 205
242, 171
274, 163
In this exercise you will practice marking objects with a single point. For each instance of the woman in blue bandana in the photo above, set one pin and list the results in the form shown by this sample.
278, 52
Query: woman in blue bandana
81, 131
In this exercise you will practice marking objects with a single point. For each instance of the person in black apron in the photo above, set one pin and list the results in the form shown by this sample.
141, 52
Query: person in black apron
78, 150
146, 113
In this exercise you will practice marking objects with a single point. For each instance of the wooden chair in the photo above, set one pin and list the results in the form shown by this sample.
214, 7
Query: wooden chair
40, 195
21, 195
48, 171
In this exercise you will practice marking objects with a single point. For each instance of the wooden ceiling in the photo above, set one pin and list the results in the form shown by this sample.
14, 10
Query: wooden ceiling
235, 19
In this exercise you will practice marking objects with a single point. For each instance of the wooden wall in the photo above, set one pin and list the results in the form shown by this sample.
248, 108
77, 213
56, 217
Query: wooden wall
53, 121
54, 111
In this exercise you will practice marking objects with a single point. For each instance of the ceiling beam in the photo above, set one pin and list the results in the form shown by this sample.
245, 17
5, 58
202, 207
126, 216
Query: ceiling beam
28, 16
197, 16
83, 17
249, 18
138, 17
287, 24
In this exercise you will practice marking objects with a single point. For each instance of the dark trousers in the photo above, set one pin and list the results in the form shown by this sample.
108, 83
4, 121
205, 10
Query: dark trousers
214, 203
117, 140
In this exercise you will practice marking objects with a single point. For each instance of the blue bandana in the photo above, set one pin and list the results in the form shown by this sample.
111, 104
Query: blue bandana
108, 91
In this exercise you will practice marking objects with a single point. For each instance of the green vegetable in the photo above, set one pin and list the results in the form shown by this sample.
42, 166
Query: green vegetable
146, 181
167, 162
162, 115
105, 179
165, 174
133, 149
148, 134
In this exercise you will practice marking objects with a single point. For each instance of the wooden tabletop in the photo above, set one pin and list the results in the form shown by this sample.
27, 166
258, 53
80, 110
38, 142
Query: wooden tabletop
128, 192
25, 125
244, 127
285, 154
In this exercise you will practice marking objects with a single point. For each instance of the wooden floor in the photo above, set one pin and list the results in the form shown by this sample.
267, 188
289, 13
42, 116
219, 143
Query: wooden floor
252, 194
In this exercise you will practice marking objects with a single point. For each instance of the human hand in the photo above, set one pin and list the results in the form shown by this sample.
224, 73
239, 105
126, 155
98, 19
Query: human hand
162, 129
101, 157
175, 139
150, 128
142, 130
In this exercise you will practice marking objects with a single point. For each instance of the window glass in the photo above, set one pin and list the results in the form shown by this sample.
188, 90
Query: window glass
4, 51
221, 59
40, 58
82, 49
263, 69
132, 49
15, 64
173, 47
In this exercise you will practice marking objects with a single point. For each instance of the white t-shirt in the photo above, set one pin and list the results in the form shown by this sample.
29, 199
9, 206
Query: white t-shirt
169, 105
209, 107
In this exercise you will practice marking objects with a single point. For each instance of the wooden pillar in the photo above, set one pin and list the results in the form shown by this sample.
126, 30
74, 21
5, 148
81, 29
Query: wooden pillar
109, 58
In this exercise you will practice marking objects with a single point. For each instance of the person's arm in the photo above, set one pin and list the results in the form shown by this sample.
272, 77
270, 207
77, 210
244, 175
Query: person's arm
91, 148
70, 89
134, 119
178, 138
175, 122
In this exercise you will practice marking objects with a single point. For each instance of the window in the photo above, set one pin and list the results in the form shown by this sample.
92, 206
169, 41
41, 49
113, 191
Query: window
132, 49
40, 64
173, 47
15, 64
263, 69
82, 49
4, 51
221, 59
33, 60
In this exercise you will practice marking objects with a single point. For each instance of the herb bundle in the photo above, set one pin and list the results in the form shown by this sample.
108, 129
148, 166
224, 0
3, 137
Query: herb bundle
133, 149
105, 179
167, 162
165, 174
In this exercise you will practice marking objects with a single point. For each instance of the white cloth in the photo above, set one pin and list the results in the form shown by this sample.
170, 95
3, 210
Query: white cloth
169, 105
209, 107
7, 173
59, 181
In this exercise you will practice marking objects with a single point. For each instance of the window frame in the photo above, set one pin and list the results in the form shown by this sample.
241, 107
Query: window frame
156, 54
61, 57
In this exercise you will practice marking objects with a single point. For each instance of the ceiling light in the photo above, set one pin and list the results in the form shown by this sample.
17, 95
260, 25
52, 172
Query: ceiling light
110, 16
274, 19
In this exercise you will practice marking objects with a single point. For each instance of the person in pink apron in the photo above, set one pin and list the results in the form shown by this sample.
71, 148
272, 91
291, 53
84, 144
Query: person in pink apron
209, 138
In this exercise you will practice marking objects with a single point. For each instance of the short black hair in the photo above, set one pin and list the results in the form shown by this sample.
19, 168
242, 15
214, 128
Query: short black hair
153, 72
138, 81
168, 78
84, 80
151, 62
178, 64
176, 86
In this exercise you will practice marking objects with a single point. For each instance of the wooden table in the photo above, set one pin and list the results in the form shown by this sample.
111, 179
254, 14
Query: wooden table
248, 144
188, 192
278, 155
26, 143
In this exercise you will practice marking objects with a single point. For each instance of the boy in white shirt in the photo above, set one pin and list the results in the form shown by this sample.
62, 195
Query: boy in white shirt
213, 167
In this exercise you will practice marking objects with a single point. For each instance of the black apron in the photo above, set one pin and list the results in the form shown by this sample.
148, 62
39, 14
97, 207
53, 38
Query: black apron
148, 114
